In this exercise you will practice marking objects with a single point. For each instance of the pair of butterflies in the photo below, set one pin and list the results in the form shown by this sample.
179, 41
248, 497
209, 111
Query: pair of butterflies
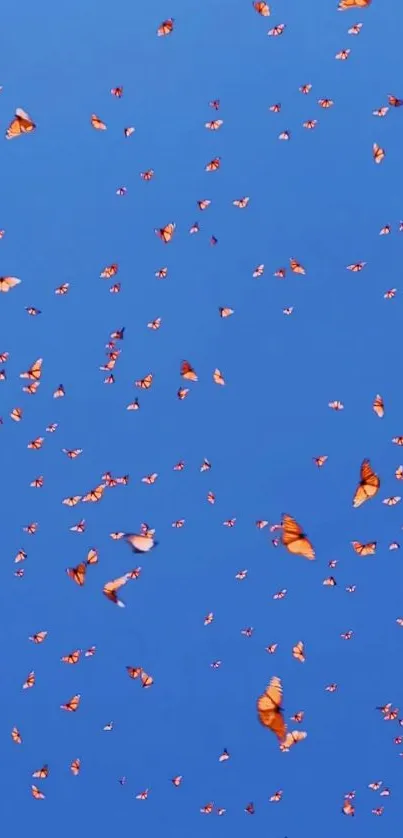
293, 537
271, 715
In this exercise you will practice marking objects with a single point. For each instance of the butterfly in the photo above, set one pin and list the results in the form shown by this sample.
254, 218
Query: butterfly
21, 124
269, 709
368, 486
294, 539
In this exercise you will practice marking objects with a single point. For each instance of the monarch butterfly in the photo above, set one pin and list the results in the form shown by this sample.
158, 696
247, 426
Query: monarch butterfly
392, 501
72, 705
145, 383
149, 478
325, 103
176, 781
364, 549
368, 486
97, 123
277, 30
129, 131
305, 88
214, 124
38, 482
225, 311
16, 736
166, 27
380, 111
378, 153
34, 372
148, 175
21, 124
343, 54
61, 290
395, 102
310, 124
109, 271
165, 233
8, 282
92, 556
285, 135
72, 453
59, 393
330, 582
80, 527
261, 8
29, 682
33, 311
398, 440
154, 324
296, 267
294, 539
117, 91
146, 680
213, 165
269, 709
36, 444
275, 108
203, 204
188, 372
72, 658
378, 406
140, 543
218, 377
75, 767
110, 589
292, 738
77, 574
41, 773
298, 652
39, 637
241, 203
215, 104
72, 501
320, 461
356, 267
349, 4
94, 495
37, 793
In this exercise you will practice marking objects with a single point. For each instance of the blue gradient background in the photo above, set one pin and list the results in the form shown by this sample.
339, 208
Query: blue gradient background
318, 198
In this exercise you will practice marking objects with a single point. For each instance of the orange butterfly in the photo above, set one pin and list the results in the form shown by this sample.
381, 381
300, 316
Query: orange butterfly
8, 282
21, 124
349, 4
37, 793
34, 372
77, 574
41, 773
97, 123
188, 372
261, 8
165, 233
368, 486
72, 705
269, 709
364, 549
294, 539
378, 153
378, 406
166, 27
75, 767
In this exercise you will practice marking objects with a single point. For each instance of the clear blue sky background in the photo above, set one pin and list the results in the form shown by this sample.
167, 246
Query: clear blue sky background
318, 198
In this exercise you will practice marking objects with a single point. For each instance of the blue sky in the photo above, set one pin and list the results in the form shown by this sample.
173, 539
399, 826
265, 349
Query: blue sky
318, 198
